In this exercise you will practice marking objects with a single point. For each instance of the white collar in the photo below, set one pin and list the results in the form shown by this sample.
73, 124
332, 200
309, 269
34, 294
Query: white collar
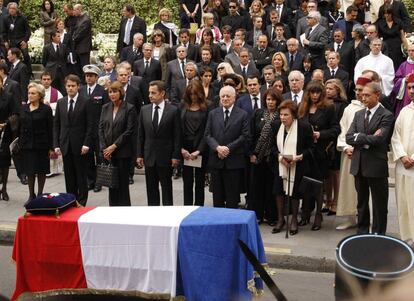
374, 109
160, 106
230, 109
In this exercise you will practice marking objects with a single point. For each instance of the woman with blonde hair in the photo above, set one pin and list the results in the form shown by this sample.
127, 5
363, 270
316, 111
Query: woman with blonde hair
256, 9
36, 138
168, 28
280, 63
208, 20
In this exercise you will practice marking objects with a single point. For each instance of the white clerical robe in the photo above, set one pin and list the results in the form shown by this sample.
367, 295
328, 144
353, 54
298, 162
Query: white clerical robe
402, 143
347, 196
381, 64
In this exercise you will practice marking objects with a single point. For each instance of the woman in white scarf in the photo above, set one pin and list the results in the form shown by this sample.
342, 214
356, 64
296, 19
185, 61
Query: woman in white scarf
294, 140
168, 28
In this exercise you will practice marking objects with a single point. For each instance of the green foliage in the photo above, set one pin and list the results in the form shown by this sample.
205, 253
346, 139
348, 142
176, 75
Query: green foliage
105, 15
409, 4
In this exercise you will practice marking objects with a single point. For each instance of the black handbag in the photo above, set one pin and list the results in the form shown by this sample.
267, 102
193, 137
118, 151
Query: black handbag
107, 175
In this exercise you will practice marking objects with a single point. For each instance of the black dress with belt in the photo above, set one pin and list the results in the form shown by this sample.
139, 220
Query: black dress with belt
36, 138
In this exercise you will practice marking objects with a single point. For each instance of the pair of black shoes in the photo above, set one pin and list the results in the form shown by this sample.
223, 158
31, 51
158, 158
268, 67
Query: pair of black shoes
94, 187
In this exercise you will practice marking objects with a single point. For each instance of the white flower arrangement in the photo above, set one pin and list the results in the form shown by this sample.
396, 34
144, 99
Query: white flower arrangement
105, 45
36, 43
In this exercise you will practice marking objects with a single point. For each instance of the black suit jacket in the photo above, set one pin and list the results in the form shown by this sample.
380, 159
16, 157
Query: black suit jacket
11, 91
262, 57
21, 75
235, 135
134, 97
82, 35
318, 39
153, 73
21, 31
120, 131
347, 55
137, 26
159, 147
297, 60
178, 90
128, 54
71, 136
192, 52
251, 70
53, 61
370, 151
340, 74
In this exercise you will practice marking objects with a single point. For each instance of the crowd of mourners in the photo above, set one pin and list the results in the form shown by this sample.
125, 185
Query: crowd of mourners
297, 104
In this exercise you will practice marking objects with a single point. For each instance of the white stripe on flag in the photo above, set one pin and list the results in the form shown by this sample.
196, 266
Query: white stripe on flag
131, 248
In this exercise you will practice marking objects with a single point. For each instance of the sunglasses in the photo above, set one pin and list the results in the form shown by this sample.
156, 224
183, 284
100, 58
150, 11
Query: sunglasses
220, 68
233, 7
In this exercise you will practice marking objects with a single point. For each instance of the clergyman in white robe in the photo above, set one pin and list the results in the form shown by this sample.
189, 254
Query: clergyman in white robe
402, 143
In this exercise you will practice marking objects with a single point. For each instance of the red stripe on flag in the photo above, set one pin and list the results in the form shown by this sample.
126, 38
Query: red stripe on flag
47, 252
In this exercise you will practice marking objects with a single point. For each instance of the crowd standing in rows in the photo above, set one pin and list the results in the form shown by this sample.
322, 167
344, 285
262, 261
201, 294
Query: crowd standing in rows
267, 98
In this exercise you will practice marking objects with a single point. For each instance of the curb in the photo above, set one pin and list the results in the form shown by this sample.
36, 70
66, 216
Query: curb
274, 260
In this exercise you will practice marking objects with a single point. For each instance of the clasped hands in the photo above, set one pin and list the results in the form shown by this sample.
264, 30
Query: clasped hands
222, 151
295, 159
407, 162
189, 156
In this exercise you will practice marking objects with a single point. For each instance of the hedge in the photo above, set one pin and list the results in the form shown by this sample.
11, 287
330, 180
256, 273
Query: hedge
105, 14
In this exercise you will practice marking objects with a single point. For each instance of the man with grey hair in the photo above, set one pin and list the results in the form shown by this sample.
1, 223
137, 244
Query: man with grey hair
302, 22
176, 68
369, 134
296, 83
82, 38
134, 52
293, 55
378, 62
227, 133
315, 39
179, 87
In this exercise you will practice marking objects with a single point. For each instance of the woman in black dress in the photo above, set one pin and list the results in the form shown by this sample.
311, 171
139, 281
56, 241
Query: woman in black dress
8, 121
294, 143
392, 33
36, 138
194, 112
262, 157
336, 93
117, 129
190, 12
319, 111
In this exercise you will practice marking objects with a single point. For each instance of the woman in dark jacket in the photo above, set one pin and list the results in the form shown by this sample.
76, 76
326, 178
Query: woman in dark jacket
294, 143
168, 28
36, 138
319, 111
8, 130
336, 93
262, 157
117, 131
194, 112
207, 39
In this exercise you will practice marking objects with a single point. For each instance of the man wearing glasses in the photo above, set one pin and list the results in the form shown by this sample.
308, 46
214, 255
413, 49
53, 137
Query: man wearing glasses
234, 19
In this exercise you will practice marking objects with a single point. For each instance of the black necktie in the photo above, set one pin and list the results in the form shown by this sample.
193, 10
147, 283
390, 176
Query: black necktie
244, 71
70, 111
146, 67
366, 121
273, 32
295, 98
255, 105
338, 48
226, 118
183, 67
333, 73
308, 31
155, 118
291, 62
89, 91
57, 48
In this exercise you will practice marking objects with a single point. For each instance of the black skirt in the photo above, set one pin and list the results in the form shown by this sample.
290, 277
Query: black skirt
35, 162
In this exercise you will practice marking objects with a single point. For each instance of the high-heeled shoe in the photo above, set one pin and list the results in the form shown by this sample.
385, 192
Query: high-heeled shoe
278, 227
304, 221
317, 223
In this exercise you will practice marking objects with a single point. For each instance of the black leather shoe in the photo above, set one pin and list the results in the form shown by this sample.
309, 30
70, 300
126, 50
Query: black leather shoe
5, 196
317, 223
131, 180
293, 232
23, 180
91, 186
278, 228
303, 222
97, 188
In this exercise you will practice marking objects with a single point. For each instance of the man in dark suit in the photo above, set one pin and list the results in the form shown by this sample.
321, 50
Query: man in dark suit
18, 72
296, 83
364, 47
133, 53
17, 32
73, 132
234, 19
345, 50
346, 25
159, 144
269, 76
180, 85
176, 69
227, 134
147, 67
369, 134
97, 97
253, 100
82, 38
54, 60
400, 13
184, 38
129, 26
293, 55
315, 40
283, 11
332, 70
246, 66
302, 23
262, 54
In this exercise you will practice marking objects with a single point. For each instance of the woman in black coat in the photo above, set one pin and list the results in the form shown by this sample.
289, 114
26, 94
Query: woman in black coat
117, 132
194, 112
262, 157
319, 111
168, 28
36, 138
294, 141
8, 121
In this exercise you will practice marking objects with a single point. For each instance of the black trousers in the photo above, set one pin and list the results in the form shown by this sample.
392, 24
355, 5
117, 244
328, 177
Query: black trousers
120, 196
261, 196
193, 176
59, 81
94, 157
226, 187
379, 192
74, 167
155, 175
